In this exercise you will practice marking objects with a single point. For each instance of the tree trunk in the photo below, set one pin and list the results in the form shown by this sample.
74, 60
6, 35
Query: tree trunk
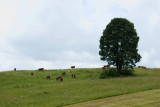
119, 67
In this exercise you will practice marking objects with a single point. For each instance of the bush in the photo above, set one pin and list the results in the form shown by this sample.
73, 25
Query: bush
112, 72
104, 74
109, 72
127, 72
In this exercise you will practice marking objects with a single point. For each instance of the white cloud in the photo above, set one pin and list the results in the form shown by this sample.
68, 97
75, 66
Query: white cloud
150, 58
7, 15
35, 33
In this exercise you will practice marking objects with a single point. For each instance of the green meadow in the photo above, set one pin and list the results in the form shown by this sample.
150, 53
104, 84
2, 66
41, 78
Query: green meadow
20, 89
149, 98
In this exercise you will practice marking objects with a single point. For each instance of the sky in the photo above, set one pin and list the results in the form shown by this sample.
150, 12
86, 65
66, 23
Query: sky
56, 34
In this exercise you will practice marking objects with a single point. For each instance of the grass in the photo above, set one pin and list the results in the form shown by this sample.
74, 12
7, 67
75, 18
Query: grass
149, 98
19, 88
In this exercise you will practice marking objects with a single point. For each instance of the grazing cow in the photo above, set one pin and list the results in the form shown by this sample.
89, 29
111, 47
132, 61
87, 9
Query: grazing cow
103, 67
48, 76
59, 78
14, 69
73, 75
107, 66
32, 73
63, 73
72, 67
139, 66
41, 69
142, 67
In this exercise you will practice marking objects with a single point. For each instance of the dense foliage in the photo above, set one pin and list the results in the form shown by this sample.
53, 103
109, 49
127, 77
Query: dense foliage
113, 72
118, 44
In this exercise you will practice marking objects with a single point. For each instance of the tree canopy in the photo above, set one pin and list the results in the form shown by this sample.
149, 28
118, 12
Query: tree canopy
118, 44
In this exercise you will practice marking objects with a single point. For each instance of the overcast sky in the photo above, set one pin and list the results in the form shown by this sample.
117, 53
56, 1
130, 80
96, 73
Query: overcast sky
56, 34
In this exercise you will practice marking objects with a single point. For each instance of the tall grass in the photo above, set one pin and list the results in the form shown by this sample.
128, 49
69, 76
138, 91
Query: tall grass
20, 89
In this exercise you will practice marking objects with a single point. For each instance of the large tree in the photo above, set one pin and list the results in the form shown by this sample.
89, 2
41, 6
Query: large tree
118, 44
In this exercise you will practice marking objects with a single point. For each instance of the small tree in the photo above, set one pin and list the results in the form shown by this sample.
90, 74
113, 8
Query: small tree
118, 44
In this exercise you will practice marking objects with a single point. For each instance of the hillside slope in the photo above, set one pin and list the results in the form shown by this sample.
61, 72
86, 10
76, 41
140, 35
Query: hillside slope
19, 88
149, 98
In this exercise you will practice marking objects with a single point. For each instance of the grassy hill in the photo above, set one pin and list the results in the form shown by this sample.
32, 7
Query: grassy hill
20, 89
149, 98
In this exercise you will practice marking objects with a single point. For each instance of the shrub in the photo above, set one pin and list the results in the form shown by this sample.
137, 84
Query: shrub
127, 72
112, 72
104, 74
109, 72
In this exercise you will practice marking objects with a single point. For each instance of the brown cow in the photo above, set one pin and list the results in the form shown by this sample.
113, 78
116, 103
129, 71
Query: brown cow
107, 66
73, 75
59, 78
72, 67
142, 67
103, 67
32, 73
41, 69
48, 76
139, 66
63, 73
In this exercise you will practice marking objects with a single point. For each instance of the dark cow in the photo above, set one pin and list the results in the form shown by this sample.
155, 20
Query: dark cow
107, 66
59, 78
14, 69
73, 75
41, 69
32, 73
142, 67
63, 73
103, 67
48, 76
72, 67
